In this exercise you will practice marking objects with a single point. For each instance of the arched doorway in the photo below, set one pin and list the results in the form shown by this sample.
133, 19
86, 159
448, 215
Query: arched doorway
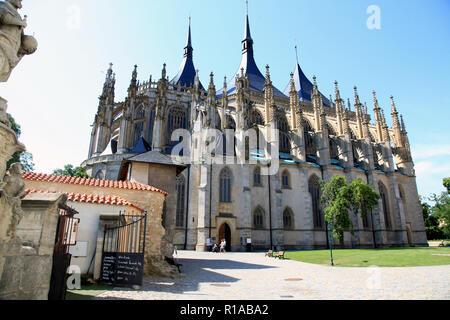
225, 233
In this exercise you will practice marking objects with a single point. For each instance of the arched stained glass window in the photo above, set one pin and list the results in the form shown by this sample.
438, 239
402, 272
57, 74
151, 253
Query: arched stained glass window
314, 190
175, 120
257, 177
283, 127
225, 185
181, 205
309, 139
151, 124
385, 205
257, 118
285, 180
288, 219
139, 122
258, 218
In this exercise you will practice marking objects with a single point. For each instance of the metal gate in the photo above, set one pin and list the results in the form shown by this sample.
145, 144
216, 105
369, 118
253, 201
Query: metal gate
123, 251
66, 234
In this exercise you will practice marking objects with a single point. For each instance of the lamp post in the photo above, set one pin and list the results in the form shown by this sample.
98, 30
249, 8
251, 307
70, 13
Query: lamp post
330, 241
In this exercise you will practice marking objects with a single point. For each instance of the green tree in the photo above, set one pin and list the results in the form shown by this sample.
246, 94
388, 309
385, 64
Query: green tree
70, 171
25, 158
364, 200
431, 222
337, 200
441, 209
447, 184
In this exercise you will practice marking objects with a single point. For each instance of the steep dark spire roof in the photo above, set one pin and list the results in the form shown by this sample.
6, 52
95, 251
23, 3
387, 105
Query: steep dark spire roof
186, 75
249, 66
304, 87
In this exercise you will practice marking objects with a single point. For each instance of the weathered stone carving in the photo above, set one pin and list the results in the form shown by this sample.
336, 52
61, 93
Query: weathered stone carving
13, 190
14, 44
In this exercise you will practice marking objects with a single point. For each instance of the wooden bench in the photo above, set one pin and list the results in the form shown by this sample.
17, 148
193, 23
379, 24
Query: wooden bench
269, 253
279, 255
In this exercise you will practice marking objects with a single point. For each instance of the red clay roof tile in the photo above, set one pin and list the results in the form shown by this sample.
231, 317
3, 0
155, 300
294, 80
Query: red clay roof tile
92, 198
31, 176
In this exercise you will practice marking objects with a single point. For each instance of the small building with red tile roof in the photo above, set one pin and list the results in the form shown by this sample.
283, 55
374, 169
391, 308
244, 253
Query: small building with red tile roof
99, 201
94, 211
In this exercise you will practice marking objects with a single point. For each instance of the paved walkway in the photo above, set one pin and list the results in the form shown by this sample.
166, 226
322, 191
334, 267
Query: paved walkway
252, 276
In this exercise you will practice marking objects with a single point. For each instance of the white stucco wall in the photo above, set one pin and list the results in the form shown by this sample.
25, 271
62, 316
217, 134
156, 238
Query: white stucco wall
89, 215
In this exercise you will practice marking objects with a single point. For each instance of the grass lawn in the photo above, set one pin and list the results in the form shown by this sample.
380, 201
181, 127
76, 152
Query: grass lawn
87, 292
392, 257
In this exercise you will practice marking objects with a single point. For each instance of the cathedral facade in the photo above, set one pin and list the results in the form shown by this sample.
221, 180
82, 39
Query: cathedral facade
222, 197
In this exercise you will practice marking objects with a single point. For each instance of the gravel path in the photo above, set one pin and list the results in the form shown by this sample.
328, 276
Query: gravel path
252, 276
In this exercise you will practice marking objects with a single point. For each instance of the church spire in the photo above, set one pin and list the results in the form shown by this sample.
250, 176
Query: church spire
378, 119
247, 42
359, 114
338, 102
186, 73
188, 50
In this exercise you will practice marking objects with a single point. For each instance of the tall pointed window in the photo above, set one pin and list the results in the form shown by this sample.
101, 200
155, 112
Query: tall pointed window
139, 121
225, 185
257, 177
334, 154
385, 205
285, 180
314, 190
151, 124
181, 204
309, 141
288, 219
175, 120
283, 127
258, 218
257, 118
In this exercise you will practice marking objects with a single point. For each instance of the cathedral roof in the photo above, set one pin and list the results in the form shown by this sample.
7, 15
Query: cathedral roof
250, 68
304, 87
186, 74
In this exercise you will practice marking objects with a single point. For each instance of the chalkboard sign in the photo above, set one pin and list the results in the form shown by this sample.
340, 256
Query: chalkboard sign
108, 268
122, 269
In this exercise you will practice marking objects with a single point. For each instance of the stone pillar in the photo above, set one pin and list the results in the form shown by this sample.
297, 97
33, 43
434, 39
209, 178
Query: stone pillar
277, 211
203, 208
245, 210
25, 271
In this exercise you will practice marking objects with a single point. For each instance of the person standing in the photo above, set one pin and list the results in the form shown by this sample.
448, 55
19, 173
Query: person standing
222, 246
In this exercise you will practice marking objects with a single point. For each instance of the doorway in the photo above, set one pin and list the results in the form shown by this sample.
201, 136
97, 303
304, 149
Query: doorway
225, 233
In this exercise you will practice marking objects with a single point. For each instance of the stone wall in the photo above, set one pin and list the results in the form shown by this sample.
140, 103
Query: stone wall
26, 270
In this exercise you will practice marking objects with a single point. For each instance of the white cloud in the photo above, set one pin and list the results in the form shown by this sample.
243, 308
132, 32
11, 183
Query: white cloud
429, 151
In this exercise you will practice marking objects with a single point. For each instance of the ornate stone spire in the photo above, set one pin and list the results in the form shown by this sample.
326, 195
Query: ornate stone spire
338, 109
294, 102
378, 119
211, 90
396, 125
164, 72
132, 89
386, 137
359, 114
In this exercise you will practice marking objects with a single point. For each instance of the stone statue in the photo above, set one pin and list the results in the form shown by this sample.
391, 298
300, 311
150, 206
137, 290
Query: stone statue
13, 190
14, 44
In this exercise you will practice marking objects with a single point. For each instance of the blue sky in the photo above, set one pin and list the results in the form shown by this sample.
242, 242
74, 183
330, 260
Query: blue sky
54, 93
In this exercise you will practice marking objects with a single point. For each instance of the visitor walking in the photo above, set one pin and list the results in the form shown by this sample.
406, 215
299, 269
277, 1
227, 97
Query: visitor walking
223, 245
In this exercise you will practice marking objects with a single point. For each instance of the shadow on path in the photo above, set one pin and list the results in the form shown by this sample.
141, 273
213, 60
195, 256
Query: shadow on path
195, 272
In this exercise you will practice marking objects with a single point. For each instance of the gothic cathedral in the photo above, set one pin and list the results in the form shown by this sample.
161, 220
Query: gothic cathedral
318, 137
